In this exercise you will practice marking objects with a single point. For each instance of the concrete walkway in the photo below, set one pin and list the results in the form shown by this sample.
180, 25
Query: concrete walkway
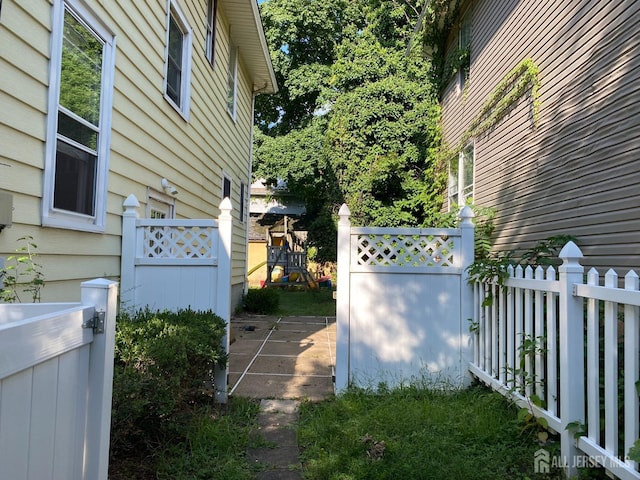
282, 357
281, 360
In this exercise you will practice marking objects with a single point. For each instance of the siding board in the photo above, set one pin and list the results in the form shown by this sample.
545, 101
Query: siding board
149, 139
578, 171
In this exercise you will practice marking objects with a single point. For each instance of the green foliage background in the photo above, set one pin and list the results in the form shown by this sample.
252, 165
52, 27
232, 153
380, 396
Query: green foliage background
356, 119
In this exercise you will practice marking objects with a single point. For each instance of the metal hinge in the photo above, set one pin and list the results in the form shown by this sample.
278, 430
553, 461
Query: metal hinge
96, 322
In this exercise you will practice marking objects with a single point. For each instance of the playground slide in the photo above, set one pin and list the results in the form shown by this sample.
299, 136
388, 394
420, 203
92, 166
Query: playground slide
261, 264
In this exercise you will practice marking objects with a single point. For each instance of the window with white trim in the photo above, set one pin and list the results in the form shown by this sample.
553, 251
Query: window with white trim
210, 38
160, 205
79, 122
232, 80
178, 60
461, 177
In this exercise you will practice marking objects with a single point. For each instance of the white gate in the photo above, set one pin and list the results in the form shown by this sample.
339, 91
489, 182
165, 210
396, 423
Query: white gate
172, 264
55, 386
403, 303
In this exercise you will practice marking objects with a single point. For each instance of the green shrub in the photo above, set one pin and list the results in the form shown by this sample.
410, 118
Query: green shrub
164, 361
263, 301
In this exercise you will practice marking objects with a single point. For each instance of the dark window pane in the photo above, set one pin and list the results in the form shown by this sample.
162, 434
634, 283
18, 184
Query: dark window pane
81, 71
242, 199
75, 130
75, 179
226, 188
174, 62
211, 31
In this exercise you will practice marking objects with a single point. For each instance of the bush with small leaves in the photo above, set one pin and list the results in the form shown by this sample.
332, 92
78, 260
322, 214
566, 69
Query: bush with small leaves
164, 361
263, 301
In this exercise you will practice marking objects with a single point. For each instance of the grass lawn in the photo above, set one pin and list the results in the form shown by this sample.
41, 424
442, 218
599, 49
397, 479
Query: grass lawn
317, 302
208, 442
414, 433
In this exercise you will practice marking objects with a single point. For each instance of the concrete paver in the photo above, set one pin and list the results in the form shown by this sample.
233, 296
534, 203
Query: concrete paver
290, 357
280, 361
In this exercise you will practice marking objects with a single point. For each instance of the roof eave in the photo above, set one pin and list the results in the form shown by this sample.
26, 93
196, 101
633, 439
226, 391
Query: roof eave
248, 35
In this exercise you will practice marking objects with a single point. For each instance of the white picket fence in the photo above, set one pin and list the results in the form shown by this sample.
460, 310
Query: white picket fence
402, 303
55, 386
170, 264
532, 338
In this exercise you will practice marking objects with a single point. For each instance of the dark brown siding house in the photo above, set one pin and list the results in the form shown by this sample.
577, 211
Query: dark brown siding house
542, 113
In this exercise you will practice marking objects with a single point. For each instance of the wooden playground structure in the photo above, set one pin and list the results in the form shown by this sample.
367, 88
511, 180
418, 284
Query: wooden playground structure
286, 258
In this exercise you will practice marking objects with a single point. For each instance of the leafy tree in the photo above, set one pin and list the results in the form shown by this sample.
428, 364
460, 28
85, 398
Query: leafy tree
356, 119
301, 35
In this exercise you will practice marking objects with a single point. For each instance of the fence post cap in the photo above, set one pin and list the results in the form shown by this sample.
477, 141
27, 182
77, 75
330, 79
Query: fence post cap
466, 214
131, 202
225, 205
570, 253
344, 211
98, 283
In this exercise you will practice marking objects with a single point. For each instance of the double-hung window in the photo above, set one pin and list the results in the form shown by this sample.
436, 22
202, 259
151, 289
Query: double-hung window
210, 38
178, 60
461, 177
232, 80
80, 98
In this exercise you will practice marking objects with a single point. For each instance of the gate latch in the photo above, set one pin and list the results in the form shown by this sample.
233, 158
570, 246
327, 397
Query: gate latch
96, 322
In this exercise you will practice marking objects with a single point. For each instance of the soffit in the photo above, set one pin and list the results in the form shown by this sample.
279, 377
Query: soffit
248, 35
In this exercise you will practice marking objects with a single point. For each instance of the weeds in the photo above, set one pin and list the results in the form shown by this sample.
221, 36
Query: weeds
22, 273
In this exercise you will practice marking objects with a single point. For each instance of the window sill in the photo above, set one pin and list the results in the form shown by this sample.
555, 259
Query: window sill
72, 222
184, 113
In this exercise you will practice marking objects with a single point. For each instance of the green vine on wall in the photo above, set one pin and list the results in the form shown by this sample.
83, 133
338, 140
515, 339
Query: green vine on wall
525, 77
522, 79
456, 61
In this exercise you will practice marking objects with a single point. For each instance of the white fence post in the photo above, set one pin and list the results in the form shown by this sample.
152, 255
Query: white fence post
467, 248
342, 299
128, 253
631, 366
103, 295
223, 303
571, 340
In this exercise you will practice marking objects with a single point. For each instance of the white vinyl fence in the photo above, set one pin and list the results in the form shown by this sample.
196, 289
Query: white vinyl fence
403, 303
170, 264
56, 373
572, 345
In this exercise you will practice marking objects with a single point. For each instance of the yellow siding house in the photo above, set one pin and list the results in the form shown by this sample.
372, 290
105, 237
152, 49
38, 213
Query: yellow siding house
101, 99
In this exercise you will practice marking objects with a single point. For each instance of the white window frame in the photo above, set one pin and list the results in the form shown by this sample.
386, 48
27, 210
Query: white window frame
55, 217
458, 197
232, 80
160, 203
210, 37
183, 108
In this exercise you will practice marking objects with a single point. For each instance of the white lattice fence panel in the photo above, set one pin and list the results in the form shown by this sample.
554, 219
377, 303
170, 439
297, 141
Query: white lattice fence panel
406, 250
178, 242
